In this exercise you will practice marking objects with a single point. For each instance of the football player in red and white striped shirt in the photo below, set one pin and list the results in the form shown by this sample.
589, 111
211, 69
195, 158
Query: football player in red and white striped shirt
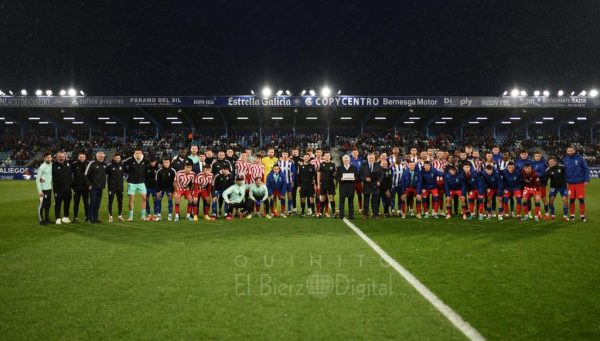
242, 167
203, 189
184, 184
257, 168
440, 163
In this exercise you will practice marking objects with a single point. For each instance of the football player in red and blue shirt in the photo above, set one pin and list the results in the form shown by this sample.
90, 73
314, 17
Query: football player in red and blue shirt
472, 190
577, 174
453, 189
428, 187
531, 189
494, 186
512, 187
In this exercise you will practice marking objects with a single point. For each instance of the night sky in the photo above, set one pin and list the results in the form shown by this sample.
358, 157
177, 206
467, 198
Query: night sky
415, 47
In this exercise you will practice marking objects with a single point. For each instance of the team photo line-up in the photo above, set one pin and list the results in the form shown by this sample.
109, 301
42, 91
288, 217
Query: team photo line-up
247, 185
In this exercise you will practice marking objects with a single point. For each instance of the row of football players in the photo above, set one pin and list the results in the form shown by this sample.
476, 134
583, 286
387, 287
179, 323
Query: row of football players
484, 188
396, 182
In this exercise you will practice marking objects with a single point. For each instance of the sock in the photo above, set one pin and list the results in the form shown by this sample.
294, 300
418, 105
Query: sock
418, 206
448, 209
551, 209
176, 208
471, 206
170, 206
546, 208
464, 209
565, 210
436, 204
195, 209
282, 202
332, 206
303, 206
289, 204
323, 206
214, 208
205, 209
572, 206
360, 201
581, 207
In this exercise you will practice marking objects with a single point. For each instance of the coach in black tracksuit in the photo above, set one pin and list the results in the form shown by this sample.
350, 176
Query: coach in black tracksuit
61, 184
346, 175
95, 177
78, 184
114, 180
221, 182
371, 176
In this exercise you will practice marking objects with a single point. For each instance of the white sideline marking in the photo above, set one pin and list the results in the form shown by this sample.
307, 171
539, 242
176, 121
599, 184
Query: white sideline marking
448, 312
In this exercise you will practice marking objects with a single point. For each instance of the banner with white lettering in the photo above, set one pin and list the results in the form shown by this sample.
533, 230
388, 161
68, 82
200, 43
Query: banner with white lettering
17, 173
298, 101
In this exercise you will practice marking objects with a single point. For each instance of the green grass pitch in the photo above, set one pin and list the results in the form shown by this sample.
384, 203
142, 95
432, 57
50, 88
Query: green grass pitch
295, 278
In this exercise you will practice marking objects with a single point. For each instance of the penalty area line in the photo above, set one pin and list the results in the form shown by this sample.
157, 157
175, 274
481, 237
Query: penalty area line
442, 307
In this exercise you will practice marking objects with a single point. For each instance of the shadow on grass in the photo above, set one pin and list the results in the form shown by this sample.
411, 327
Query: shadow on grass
147, 234
491, 230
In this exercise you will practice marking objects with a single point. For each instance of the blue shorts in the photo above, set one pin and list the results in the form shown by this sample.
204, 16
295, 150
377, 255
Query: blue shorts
133, 189
561, 190
289, 187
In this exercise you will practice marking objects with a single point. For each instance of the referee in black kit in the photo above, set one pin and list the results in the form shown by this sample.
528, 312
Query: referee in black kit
345, 176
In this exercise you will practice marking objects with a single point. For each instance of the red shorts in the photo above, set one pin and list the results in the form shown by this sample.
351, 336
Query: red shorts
426, 192
203, 193
491, 192
411, 191
576, 191
473, 194
516, 193
184, 193
440, 186
276, 194
455, 192
530, 192
358, 187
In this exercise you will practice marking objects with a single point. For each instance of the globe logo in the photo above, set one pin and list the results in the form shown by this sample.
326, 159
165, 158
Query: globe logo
319, 285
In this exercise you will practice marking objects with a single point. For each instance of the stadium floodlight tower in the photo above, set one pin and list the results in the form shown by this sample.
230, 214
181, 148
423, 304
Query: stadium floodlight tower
326, 91
266, 91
